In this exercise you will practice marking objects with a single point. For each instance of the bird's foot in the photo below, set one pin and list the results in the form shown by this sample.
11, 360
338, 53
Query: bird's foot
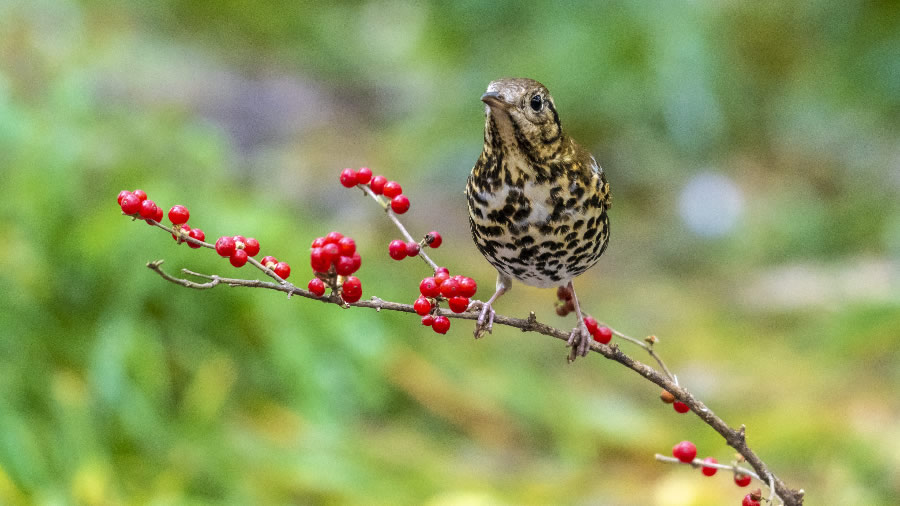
579, 341
485, 322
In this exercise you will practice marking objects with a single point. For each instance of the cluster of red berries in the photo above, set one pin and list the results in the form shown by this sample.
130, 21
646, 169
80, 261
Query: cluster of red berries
686, 451
668, 398
332, 258
138, 205
455, 290
566, 304
237, 249
379, 186
398, 250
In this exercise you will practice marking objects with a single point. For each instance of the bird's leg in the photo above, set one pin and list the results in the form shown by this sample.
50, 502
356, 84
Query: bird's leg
485, 321
580, 339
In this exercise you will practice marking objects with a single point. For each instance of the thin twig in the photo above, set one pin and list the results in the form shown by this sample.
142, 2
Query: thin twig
400, 226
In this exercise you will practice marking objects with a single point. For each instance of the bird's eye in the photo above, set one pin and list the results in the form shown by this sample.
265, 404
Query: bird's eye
536, 103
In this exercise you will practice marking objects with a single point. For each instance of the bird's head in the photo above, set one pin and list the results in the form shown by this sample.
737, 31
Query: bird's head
523, 111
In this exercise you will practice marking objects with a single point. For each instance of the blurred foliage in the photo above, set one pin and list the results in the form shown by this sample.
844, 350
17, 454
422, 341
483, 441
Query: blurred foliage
118, 388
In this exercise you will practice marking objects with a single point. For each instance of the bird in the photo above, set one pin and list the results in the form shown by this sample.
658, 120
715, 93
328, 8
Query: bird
537, 200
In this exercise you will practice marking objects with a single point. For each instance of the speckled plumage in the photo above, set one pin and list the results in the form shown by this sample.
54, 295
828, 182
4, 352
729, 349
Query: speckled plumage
537, 200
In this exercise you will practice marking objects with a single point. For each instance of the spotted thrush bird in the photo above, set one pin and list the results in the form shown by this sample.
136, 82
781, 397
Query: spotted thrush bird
537, 200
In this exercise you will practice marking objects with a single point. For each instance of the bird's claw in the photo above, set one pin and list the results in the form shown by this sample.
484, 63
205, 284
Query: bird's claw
485, 322
579, 342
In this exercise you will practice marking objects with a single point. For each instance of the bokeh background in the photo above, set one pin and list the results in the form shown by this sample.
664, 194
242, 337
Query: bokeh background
754, 154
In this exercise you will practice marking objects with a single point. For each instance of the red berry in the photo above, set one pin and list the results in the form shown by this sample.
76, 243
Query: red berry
591, 325
158, 217
181, 232
429, 287
742, 480
318, 242
346, 245
422, 306
681, 407
179, 215
397, 249
748, 499
330, 253
225, 246
709, 471
122, 194
392, 189
684, 451
441, 276
147, 210
238, 258
141, 194
130, 204
317, 260
428, 320
333, 237
239, 241
400, 204
351, 289
467, 287
449, 288
283, 270
603, 335
196, 233
412, 249
344, 266
251, 246
269, 261
316, 286
458, 304
364, 175
377, 184
442, 269
435, 239
441, 324
357, 261
348, 178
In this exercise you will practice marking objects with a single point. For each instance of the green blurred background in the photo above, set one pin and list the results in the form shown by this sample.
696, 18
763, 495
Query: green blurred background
754, 154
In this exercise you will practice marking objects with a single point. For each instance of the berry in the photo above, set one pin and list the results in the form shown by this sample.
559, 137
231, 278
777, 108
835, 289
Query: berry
364, 175
195, 233
441, 324
412, 249
742, 480
283, 270
181, 232
591, 325
459, 304
130, 203
377, 184
435, 239
269, 261
316, 286
179, 215
333, 237
392, 189
428, 320
141, 194
442, 269
357, 261
225, 246
400, 204
344, 266
348, 178
749, 501
603, 335
238, 258
147, 210
681, 407
397, 249
346, 245
317, 260
239, 241
422, 306
122, 194
666, 397
251, 246
449, 288
709, 471
158, 217
429, 287
684, 451
351, 289
467, 287
441, 275
330, 253
318, 242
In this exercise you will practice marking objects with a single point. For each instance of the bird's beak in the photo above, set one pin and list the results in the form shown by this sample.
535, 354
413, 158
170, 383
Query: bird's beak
494, 99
